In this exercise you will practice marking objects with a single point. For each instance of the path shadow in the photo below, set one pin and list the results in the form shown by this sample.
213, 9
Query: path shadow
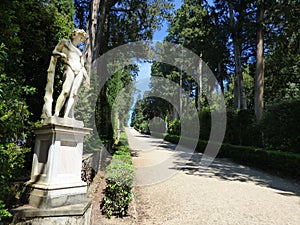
142, 136
226, 170
134, 153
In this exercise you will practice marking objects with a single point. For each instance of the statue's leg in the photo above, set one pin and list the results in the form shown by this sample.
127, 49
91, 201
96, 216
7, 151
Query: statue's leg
73, 94
65, 91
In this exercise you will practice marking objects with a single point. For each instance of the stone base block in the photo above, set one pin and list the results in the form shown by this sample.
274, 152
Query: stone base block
50, 198
79, 214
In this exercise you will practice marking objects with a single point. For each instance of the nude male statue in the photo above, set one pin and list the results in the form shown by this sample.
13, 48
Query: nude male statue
74, 72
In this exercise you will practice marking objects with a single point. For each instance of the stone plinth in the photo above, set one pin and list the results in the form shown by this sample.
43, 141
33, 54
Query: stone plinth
55, 188
78, 214
56, 167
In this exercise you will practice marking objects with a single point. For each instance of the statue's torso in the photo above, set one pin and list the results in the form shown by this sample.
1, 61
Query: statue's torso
74, 55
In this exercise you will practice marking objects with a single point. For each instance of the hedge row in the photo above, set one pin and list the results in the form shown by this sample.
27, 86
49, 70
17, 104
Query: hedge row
279, 128
119, 178
274, 161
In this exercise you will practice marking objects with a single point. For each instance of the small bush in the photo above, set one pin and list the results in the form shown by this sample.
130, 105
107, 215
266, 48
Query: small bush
119, 178
4, 213
12, 159
242, 128
174, 127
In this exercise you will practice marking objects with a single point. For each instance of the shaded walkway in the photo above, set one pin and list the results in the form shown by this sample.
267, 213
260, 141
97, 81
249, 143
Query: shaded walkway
226, 193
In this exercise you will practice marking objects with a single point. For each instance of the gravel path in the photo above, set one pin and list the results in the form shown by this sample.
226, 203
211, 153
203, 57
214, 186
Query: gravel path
173, 189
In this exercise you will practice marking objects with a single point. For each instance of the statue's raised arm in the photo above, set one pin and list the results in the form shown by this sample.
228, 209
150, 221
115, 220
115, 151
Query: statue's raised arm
74, 73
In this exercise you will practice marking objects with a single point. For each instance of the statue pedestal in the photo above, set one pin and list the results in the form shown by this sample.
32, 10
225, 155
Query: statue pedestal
56, 171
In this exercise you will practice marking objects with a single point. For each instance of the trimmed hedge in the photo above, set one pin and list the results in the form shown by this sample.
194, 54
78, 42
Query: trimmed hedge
241, 127
274, 161
281, 126
119, 178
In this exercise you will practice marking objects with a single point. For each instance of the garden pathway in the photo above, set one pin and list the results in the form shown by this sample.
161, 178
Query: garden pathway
172, 188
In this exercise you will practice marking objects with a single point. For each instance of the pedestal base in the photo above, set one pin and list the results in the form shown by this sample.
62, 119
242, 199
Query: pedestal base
55, 193
79, 214
56, 167
46, 198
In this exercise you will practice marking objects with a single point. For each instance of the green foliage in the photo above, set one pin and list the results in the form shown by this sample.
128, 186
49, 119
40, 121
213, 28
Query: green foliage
282, 71
29, 44
174, 127
14, 112
144, 127
242, 128
281, 126
15, 125
119, 179
141, 115
205, 124
3, 211
116, 27
157, 127
12, 159
114, 101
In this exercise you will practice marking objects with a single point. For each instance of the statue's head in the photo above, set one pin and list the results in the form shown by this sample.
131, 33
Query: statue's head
79, 33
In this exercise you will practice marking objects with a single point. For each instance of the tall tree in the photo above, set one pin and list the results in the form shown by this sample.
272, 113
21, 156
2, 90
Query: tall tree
197, 28
236, 31
259, 74
282, 38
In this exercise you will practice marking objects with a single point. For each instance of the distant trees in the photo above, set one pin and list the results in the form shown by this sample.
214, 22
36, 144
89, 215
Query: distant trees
251, 46
233, 37
109, 25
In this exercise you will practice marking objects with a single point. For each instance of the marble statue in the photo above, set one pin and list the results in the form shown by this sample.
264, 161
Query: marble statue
74, 73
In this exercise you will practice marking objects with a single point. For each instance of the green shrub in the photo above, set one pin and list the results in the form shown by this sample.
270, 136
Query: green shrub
119, 179
172, 138
174, 127
3, 211
157, 127
12, 159
205, 124
242, 129
14, 126
281, 126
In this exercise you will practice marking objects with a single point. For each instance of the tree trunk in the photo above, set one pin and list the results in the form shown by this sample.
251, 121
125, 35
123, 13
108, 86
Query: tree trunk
200, 83
259, 73
239, 90
221, 78
101, 29
91, 31
187, 98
